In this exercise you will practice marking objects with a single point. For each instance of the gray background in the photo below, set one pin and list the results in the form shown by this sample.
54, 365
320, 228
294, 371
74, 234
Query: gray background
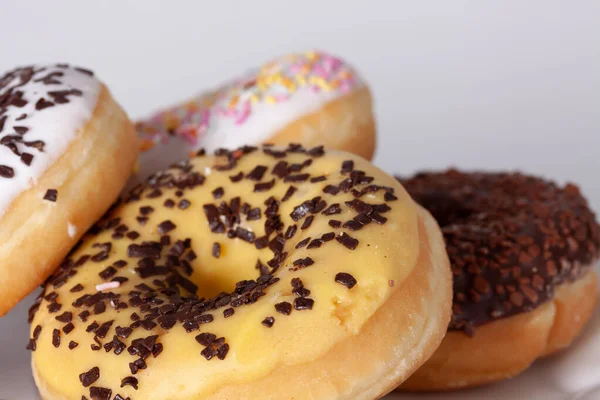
476, 84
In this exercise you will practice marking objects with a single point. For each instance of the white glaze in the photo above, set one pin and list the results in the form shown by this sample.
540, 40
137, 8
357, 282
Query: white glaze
265, 121
57, 126
230, 126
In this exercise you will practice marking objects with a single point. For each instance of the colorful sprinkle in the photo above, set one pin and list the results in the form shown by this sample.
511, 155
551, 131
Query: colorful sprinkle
275, 82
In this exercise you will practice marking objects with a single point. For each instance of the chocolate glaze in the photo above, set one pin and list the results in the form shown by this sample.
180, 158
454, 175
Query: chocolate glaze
511, 239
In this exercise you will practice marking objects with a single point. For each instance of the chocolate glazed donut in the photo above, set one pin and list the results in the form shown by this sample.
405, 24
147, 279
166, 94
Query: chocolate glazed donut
522, 251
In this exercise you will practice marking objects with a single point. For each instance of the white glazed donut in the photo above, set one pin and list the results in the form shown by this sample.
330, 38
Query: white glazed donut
66, 149
311, 98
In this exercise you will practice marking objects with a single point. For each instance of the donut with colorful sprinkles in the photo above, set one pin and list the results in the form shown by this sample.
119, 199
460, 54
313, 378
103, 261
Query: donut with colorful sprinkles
66, 151
312, 98
247, 274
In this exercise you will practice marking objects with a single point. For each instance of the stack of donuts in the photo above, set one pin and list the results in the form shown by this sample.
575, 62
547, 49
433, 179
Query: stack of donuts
240, 245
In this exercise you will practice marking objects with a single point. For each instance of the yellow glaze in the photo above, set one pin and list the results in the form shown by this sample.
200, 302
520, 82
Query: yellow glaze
385, 253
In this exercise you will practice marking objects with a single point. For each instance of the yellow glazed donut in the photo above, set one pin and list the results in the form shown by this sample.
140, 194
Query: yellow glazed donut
312, 98
66, 150
266, 273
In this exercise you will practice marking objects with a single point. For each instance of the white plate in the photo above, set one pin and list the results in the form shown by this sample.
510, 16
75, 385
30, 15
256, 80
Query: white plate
546, 380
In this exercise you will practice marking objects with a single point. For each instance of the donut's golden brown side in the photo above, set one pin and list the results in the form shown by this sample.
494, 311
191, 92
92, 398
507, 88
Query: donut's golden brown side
354, 341
346, 123
504, 348
34, 237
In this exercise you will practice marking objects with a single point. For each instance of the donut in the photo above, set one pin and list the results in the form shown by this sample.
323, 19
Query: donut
259, 273
312, 98
66, 150
522, 251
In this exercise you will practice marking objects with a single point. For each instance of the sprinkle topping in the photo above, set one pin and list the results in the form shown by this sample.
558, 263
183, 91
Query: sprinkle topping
41, 110
89, 377
304, 80
345, 279
511, 239
135, 289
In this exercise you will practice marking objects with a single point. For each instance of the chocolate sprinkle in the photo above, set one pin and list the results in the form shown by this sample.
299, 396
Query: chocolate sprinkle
208, 353
130, 381
165, 227
257, 173
89, 377
253, 214
290, 232
103, 329
236, 178
345, 279
98, 393
307, 222
264, 186
302, 303
228, 312
268, 322
123, 332
331, 189
332, 209
284, 308
65, 317
303, 262
289, 193
169, 203
206, 339
347, 240
389, 196
43, 103
26, 158
244, 234
216, 250
68, 328
183, 204
6, 171
335, 223
76, 288
218, 192
222, 351
296, 178
143, 250
506, 234
326, 237
146, 210
347, 166
56, 338
51, 195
